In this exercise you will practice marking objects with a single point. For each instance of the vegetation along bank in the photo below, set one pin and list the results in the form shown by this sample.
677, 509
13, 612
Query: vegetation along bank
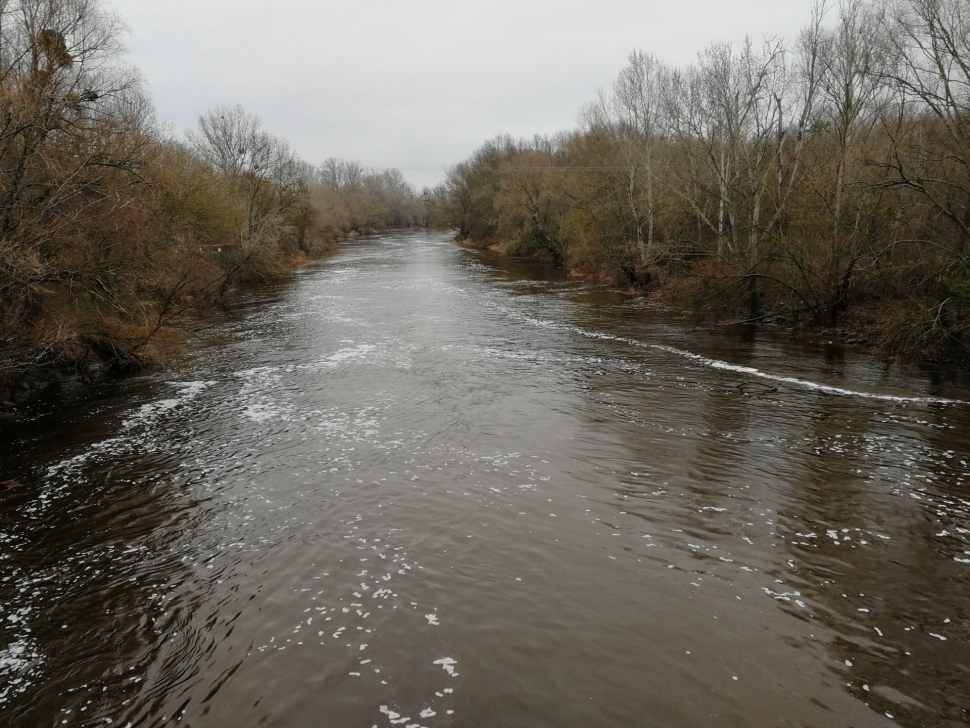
113, 229
822, 183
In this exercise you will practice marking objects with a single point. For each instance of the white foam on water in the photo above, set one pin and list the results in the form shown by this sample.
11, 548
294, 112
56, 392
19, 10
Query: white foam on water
258, 402
396, 719
15, 657
448, 665
142, 419
350, 354
148, 413
263, 412
16, 661
393, 717
390, 352
432, 619
804, 383
727, 366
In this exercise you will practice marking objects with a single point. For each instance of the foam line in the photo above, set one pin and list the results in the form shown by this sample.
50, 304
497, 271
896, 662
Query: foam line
727, 366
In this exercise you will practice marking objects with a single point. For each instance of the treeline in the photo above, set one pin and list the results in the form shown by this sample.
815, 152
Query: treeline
821, 182
111, 228
354, 199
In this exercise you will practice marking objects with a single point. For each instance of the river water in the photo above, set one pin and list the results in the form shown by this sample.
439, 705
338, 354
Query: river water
423, 486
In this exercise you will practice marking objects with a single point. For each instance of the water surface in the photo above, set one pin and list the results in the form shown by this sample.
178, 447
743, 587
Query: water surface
423, 486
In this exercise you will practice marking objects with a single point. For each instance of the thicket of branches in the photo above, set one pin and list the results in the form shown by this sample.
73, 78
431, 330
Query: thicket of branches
111, 229
355, 199
824, 180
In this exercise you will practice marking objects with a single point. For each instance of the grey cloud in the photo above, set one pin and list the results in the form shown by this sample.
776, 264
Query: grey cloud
417, 83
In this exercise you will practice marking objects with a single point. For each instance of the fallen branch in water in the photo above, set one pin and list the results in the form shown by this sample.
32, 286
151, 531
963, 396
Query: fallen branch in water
745, 386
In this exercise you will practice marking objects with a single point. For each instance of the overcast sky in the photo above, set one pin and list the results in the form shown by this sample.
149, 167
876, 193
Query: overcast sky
420, 83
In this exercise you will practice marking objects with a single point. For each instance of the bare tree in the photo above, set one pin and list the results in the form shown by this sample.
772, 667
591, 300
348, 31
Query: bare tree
637, 108
854, 62
341, 174
71, 116
329, 174
727, 114
231, 140
268, 179
931, 40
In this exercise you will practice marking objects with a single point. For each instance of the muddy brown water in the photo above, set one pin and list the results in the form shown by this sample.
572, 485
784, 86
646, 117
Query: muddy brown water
423, 486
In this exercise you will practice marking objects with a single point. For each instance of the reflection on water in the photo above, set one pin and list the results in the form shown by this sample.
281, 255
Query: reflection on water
422, 486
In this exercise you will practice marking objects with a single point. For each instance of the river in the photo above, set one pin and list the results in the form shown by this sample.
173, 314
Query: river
420, 485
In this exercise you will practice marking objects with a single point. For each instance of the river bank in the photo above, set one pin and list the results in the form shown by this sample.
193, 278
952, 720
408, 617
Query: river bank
96, 354
860, 327
116, 227
93, 363
812, 208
